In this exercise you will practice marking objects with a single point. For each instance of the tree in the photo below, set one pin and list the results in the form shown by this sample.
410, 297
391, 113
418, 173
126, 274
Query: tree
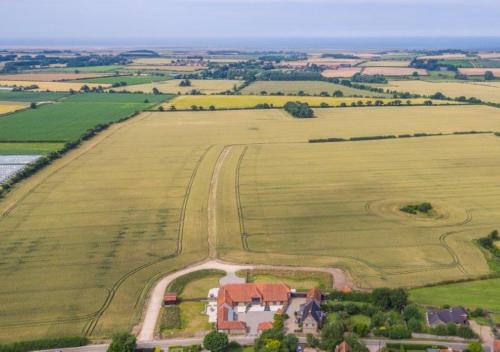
122, 342
161, 108
475, 347
361, 329
399, 296
332, 334
215, 341
489, 76
312, 341
211, 108
33, 105
382, 297
290, 342
156, 91
355, 344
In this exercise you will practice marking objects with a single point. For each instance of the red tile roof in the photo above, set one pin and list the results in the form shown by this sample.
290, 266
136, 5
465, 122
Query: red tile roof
232, 294
265, 325
343, 347
496, 346
170, 296
314, 294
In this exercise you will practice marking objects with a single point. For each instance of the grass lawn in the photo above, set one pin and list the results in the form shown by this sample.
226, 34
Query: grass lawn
474, 294
194, 322
29, 148
196, 284
295, 279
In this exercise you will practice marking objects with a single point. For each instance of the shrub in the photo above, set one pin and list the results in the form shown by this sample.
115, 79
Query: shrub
466, 332
351, 309
398, 331
122, 342
361, 329
415, 325
44, 344
440, 330
215, 341
298, 109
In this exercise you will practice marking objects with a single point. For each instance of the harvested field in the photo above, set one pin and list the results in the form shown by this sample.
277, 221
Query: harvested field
343, 72
443, 57
250, 101
48, 76
489, 55
479, 71
129, 80
308, 87
172, 86
386, 63
393, 71
169, 68
52, 86
8, 107
484, 91
154, 61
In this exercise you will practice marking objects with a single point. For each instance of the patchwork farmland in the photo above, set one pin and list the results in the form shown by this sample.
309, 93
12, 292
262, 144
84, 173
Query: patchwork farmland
114, 214
489, 92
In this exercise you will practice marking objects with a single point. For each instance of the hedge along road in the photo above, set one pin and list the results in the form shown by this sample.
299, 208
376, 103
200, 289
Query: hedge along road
153, 306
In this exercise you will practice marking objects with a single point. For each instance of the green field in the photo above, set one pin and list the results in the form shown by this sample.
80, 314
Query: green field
308, 87
28, 148
82, 241
476, 294
70, 118
6, 95
130, 80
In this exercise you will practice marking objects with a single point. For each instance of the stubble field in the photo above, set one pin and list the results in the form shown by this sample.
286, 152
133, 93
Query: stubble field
172, 86
87, 236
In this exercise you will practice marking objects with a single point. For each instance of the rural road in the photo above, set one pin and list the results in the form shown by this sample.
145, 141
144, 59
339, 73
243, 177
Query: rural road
373, 344
153, 305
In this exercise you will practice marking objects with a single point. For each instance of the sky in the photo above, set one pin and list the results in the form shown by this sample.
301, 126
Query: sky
105, 20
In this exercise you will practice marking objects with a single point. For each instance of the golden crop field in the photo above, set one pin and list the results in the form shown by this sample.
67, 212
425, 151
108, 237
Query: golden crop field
155, 61
484, 91
386, 63
83, 240
52, 86
50, 76
8, 107
172, 86
308, 87
250, 101
393, 71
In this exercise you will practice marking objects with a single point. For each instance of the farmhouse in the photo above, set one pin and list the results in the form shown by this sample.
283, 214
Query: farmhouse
457, 315
241, 308
310, 315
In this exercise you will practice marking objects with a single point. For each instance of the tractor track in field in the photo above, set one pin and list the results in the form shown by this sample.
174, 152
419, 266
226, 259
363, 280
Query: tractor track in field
212, 202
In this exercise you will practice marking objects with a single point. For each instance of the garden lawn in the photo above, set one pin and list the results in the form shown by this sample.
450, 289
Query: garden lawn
474, 294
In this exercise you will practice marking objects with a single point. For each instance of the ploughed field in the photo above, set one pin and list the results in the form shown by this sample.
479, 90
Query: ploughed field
83, 240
